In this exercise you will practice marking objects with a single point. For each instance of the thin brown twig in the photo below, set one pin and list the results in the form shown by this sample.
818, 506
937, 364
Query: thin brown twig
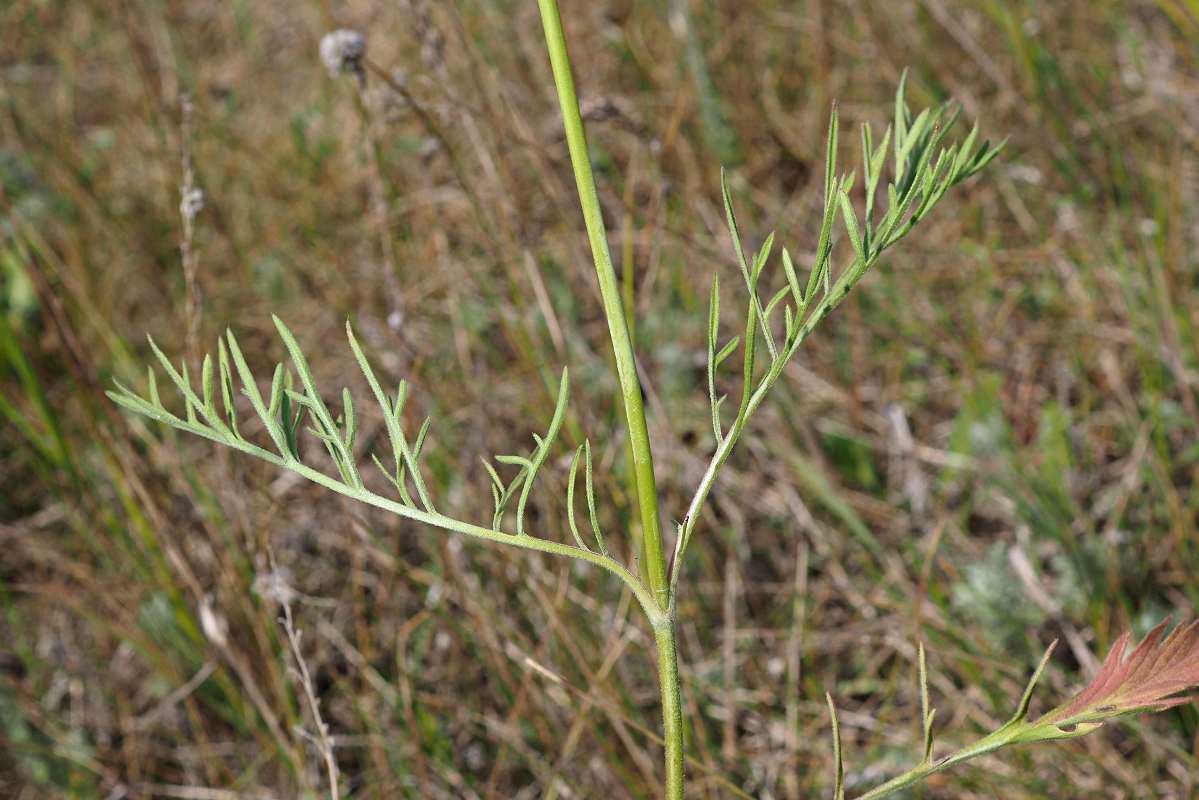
191, 201
378, 202
322, 740
794, 667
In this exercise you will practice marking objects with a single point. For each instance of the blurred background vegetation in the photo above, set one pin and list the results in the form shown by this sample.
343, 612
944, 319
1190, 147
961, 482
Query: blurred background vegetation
992, 445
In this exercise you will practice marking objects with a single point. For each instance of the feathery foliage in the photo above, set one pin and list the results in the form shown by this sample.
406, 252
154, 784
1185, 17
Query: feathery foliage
922, 171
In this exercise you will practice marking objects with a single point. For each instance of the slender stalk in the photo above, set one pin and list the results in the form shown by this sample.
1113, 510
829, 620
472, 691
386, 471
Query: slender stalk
437, 520
191, 202
626, 369
672, 703
630, 387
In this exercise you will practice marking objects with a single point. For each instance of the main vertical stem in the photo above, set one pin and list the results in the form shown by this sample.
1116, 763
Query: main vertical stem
663, 617
672, 704
618, 327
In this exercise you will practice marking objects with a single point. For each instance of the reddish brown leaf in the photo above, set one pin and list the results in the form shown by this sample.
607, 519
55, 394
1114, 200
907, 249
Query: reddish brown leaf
1144, 681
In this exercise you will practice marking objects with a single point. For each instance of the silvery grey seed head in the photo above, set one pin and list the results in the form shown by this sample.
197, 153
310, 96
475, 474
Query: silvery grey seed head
275, 585
342, 50
191, 203
213, 622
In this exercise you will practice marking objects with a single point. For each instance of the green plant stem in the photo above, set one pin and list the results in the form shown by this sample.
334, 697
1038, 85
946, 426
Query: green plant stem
618, 327
431, 518
630, 387
751, 399
1015, 732
672, 703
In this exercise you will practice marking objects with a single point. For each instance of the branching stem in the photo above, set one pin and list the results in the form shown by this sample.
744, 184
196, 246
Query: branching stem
630, 388
618, 326
920, 182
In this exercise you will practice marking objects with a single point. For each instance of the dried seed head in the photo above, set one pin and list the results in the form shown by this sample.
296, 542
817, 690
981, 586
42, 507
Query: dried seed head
213, 622
191, 203
275, 585
342, 50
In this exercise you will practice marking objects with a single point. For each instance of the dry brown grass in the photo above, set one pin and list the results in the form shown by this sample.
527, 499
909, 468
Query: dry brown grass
991, 446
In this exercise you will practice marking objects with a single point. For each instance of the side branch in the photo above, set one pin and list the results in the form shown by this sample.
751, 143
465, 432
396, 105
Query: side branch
924, 172
203, 419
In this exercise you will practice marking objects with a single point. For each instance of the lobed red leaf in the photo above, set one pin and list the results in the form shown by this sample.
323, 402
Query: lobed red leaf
1156, 669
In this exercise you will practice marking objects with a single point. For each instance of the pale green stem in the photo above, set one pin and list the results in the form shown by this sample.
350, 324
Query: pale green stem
626, 368
749, 404
672, 703
431, 518
630, 387
1015, 732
